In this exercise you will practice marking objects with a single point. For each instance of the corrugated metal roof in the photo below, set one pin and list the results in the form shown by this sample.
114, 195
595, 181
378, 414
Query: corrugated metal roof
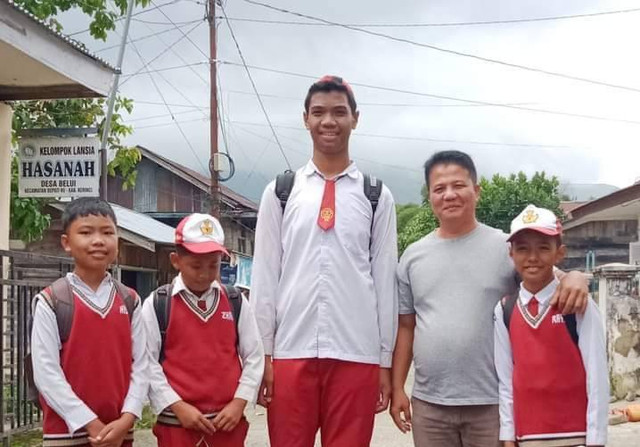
143, 225
74, 43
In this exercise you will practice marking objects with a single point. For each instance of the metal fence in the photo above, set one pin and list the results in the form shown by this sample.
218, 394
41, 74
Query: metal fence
24, 275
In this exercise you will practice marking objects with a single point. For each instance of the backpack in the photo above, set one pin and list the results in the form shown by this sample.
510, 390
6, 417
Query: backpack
372, 190
162, 308
61, 296
509, 302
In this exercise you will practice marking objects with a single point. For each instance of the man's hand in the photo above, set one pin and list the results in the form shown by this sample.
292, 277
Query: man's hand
94, 428
401, 410
230, 415
385, 390
266, 388
191, 418
572, 295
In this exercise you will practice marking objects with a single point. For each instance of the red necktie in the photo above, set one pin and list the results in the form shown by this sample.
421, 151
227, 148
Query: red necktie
202, 304
327, 215
532, 307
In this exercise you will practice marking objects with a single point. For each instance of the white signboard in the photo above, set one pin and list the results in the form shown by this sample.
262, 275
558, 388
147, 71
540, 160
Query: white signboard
59, 167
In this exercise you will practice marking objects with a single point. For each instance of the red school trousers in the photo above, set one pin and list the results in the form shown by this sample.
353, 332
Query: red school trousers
335, 396
175, 436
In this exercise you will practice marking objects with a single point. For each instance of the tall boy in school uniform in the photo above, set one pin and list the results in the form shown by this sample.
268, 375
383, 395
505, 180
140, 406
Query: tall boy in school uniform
93, 384
552, 369
323, 288
206, 366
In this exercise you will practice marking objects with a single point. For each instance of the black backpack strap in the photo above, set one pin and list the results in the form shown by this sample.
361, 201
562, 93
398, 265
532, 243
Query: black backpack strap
508, 303
572, 327
372, 191
284, 185
130, 299
235, 299
61, 297
162, 308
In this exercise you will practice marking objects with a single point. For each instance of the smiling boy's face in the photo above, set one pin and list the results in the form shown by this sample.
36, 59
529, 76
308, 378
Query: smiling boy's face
92, 241
534, 255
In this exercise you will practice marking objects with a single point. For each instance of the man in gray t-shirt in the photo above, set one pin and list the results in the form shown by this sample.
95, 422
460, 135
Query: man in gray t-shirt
449, 282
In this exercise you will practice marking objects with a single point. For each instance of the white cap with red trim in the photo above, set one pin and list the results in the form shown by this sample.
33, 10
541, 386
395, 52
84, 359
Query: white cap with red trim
536, 219
201, 233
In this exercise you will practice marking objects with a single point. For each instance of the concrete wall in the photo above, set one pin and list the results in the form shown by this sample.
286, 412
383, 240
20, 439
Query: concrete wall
619, 303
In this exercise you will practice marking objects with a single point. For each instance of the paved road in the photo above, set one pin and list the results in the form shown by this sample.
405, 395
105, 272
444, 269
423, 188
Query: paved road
387, 435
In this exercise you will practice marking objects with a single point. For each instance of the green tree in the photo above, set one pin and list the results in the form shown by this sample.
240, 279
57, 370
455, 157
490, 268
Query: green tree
404, 213
501, 199
28, 222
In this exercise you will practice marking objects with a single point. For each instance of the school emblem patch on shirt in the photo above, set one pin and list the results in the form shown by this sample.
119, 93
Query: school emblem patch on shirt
556, 319
227, 316
123, 310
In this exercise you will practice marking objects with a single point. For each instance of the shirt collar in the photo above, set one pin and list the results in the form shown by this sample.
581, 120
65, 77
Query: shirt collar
179, 286
543, 296
310, 168
78, 283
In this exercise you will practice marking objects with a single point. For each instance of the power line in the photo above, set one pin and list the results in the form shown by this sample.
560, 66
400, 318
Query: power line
155, 85
255, 89
445, 24
172, 24
175, 67
448, 51
186, 36
445, 97
148, 36
144, 11
161, 54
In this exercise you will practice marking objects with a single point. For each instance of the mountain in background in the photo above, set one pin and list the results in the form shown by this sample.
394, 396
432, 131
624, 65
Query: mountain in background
584, 192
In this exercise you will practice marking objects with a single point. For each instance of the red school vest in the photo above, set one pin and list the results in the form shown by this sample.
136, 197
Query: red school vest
97, 361
549, 380
201, 358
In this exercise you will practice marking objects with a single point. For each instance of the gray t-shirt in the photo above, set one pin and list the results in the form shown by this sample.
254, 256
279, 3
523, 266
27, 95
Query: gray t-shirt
453, 285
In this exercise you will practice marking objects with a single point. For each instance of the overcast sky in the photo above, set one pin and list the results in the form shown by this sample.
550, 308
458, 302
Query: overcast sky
397, 130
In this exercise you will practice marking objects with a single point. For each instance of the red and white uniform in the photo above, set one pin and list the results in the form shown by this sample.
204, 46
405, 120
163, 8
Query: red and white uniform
326, 305
202, 363
97, 372
551, 391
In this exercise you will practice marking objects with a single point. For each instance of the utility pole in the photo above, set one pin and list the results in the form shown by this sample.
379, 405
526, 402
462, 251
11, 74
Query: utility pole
112, 100
213, 111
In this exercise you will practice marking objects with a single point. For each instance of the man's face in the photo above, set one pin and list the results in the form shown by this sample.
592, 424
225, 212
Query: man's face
452, 194
198, 270
92, 241
330, 122
534, 254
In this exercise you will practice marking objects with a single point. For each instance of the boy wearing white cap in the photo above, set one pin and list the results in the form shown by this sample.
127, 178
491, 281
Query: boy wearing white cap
205, 353
552, 369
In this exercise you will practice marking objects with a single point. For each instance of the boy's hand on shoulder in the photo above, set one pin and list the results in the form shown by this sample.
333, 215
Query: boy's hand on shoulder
230, 415
113, 434
191, 418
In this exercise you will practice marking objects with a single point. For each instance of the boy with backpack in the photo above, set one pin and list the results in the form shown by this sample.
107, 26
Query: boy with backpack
323, 286
552, 368
205, 355
87, 339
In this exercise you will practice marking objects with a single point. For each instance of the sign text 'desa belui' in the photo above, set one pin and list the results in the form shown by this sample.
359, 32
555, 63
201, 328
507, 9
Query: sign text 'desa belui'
59, 167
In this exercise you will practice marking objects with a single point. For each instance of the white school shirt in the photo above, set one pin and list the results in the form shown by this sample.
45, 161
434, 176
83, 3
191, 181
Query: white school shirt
592, 345
321, 294
45, 351
161, 394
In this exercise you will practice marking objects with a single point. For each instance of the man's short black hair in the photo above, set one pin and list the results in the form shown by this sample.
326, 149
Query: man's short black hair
450, 158
331, 84
86, 206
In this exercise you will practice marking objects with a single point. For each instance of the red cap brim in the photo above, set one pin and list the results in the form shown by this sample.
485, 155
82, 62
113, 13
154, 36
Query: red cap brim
545, 231
200, 248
